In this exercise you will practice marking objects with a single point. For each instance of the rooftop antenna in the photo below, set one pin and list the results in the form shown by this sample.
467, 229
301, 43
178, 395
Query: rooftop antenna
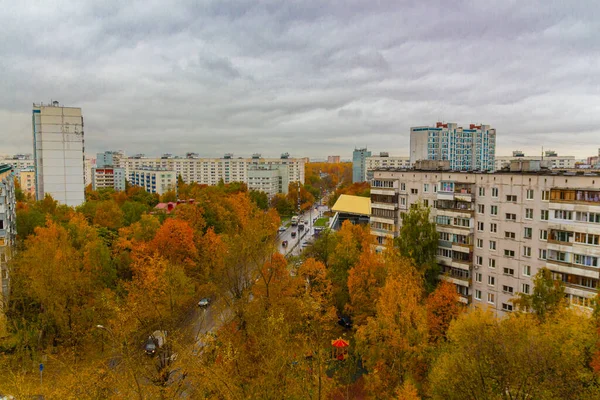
542, 153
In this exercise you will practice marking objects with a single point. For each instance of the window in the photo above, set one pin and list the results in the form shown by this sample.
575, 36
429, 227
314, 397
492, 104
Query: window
544, 215
491, 280
494, 210
480, 243
479, 260
526, 251
434, 188
511, 197
587, 238
426, 203
545, 195
509, 253
542, 254
526, 270
525, 288
529, 213
426, 187
414, 191
494, 227
494, 192
527, 232
490, 298
509, 235
480, 208
587, 217
508, 271
543, 234
529, 194
403, 186
403, 201
507, 289
589, 261
511, 217
507, 307
492, 263
477, 294
482, 191
561, 214
480, 226
478, 277
492, 245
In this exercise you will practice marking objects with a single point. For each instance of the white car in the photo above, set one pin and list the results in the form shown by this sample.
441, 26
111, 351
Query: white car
282, 229
204, 302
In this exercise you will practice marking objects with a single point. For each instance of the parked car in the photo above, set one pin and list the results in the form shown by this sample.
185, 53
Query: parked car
345, 321
282, 229
155, 342
205, 302
301, 227
293, 234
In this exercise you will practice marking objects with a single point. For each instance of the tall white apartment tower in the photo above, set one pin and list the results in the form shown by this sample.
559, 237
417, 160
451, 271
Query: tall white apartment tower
58, 148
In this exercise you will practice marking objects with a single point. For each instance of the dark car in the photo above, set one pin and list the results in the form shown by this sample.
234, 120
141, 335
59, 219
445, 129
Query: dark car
293, 234
301, 227
345, 321
284, 243
151, 346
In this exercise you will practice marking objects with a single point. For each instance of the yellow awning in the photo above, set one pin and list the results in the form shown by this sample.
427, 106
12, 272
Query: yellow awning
353, 205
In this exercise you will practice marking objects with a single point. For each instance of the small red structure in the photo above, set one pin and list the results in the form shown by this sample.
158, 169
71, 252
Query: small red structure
339, 349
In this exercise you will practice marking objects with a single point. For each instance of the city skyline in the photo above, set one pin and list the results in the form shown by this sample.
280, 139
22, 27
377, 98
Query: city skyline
315, 78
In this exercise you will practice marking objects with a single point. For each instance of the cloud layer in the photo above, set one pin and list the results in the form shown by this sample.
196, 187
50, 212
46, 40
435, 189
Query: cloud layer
309, 77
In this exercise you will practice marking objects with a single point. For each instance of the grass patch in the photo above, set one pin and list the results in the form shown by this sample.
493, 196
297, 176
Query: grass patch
322, 222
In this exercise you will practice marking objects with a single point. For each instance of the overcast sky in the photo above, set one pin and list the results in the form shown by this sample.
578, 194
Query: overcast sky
311, 77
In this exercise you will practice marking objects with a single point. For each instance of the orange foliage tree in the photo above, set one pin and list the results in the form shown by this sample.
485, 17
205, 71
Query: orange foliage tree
442, 308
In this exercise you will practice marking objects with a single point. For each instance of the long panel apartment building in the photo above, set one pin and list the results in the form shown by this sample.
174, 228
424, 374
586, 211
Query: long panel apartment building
211, 171
498, 229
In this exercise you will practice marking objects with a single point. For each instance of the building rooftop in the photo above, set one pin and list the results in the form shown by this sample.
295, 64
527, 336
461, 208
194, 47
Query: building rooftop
352, 205
549, 172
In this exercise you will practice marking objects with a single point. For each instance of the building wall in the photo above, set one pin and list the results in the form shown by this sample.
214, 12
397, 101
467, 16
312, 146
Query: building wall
269, 179
333, 159
560, 162
478, 257
27, 181
8, 230
58, 152
108, 178
467, 149
154, 181
210, 171
359, 168
19, 162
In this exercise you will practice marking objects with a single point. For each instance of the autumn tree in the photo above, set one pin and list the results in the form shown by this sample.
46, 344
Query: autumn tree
109, 215
442, 308
174, 241
365, 280
283, 205
547, 297
297, 192
418, 241
260, 199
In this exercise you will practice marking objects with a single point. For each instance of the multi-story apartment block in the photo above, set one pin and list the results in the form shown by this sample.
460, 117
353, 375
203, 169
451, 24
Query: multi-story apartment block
470, 149
154, 180
19, 162
27, 180
8, 229
551, 160
109, 158
58, 147
383, 160
271, 179
359, 165
211, 171
333, 159
498, 229
108, 177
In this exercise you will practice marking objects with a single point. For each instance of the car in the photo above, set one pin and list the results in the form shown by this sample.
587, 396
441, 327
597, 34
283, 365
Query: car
293, 234
205, 302
284, 243
282, 229
150, 346
305, 244
345, 322
301, 227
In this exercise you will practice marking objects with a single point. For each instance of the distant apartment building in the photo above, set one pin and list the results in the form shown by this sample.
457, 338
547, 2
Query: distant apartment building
271, 179
333, 159
27, 181
109, 158
108, 178
383, 160
551, 158
498, 229
58, 146
359, 164
19, 162
154, 180
470, 149
8, 229
210, 171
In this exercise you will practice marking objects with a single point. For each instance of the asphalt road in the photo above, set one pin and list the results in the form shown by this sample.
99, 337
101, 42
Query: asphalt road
301, 236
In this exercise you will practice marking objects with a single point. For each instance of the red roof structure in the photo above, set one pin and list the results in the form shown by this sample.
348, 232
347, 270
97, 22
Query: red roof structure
340, 343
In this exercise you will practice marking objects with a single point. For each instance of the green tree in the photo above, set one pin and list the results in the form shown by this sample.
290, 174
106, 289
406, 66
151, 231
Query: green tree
418, 241
547, 297
133, 211
260, 199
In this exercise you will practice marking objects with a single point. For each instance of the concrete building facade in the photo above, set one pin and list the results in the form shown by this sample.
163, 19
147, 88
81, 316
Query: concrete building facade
470, 149
108, 178
154, 180
333, 159
27, 181
210, 171
8, 230
552, 159
271, 179
19, 162
58, 144
498, 229
383, 160
359, 164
